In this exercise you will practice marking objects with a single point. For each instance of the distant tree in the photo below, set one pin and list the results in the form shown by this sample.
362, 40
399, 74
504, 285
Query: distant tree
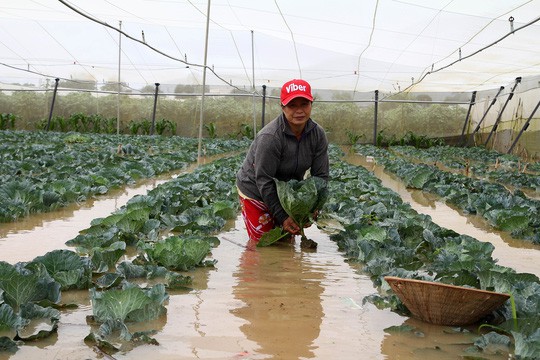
199, 89
113, 86
392, 105
274, 92
342, 95
424, 97
184, 89
77, 84
149, 89
241, 91
464, 97
25, 84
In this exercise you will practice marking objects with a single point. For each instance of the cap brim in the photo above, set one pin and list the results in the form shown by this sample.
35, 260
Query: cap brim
290, 98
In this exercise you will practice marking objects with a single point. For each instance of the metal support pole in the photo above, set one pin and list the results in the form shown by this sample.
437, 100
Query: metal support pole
524, 128
263, 105
52, 103
253, 85
494, 128
485, 113
154, 112
201, 118
465, 125
119, 83
375, 117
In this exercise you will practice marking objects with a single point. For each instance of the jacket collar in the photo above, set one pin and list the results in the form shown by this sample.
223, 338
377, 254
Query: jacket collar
310, 125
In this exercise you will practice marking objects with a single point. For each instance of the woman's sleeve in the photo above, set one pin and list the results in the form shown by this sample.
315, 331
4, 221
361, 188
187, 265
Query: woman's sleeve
320, 166
267, 158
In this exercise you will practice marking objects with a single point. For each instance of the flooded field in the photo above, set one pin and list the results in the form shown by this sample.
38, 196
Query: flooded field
511, 252
278, 302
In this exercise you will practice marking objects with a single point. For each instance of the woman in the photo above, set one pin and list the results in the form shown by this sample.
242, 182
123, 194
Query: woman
284, 149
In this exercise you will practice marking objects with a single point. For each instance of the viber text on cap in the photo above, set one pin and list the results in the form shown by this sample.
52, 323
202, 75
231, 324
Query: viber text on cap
294, 87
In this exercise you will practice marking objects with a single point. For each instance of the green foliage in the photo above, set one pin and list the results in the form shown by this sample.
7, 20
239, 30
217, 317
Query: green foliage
69, 269
131, 302
400, 242
177, 253
300, 199
229, 113
21, 285
134, 127
479, 162
104, 258
142, 127
115, 308
79, 122
505, 210
37, 172
270, 237
7, 121
246, 131
165, 127
418, 141
7, 345
211, 130
208, 190
340, 119
354, 138
431, 121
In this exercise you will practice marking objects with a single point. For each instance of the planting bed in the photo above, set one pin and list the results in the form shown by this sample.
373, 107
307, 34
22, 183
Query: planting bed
191, 289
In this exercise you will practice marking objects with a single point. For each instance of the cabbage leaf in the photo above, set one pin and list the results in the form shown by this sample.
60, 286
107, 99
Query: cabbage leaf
177, 253
300, 199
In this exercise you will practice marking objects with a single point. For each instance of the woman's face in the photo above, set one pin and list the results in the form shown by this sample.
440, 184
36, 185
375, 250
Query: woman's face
297, 112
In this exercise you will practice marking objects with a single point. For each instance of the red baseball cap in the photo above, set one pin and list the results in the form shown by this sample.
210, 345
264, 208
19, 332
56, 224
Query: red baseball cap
295, 88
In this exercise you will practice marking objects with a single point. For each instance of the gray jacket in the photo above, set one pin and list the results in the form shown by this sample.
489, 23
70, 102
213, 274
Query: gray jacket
276, 153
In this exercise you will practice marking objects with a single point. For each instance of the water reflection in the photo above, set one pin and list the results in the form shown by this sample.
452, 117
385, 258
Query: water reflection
281, 293
415, 339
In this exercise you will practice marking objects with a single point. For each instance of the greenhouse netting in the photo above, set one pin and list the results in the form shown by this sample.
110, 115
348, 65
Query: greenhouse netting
440, 68
124, 233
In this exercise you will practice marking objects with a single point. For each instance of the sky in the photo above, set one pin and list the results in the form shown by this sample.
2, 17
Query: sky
347, 45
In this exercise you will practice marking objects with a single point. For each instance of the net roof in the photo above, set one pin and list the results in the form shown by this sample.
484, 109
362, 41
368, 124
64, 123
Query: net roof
347, 45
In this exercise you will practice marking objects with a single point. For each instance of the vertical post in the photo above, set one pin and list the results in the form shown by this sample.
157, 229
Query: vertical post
253, 85
52, 103
154, 112
473, 98
524, 128
375, 115
485, 113
263, 105
119, 85
201, 118
494, 128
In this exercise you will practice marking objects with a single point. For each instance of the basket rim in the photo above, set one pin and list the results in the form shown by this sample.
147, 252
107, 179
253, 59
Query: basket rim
449, 286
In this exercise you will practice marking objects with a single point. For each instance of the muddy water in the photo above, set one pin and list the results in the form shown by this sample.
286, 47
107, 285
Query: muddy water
40, 233
520, 255
279, 302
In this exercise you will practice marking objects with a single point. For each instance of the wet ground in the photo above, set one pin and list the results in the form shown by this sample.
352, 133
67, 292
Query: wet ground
278, 302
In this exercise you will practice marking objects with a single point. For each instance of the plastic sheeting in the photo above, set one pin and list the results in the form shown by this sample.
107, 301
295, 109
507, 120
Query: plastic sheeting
344, 45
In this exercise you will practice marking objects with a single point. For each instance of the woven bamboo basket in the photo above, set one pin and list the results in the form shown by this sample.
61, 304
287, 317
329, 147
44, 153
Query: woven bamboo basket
444, 304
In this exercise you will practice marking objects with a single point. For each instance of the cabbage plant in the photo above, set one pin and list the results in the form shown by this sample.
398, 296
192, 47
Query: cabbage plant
300, 199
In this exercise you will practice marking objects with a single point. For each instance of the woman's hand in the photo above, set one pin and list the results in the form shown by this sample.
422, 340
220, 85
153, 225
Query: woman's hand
291, 227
